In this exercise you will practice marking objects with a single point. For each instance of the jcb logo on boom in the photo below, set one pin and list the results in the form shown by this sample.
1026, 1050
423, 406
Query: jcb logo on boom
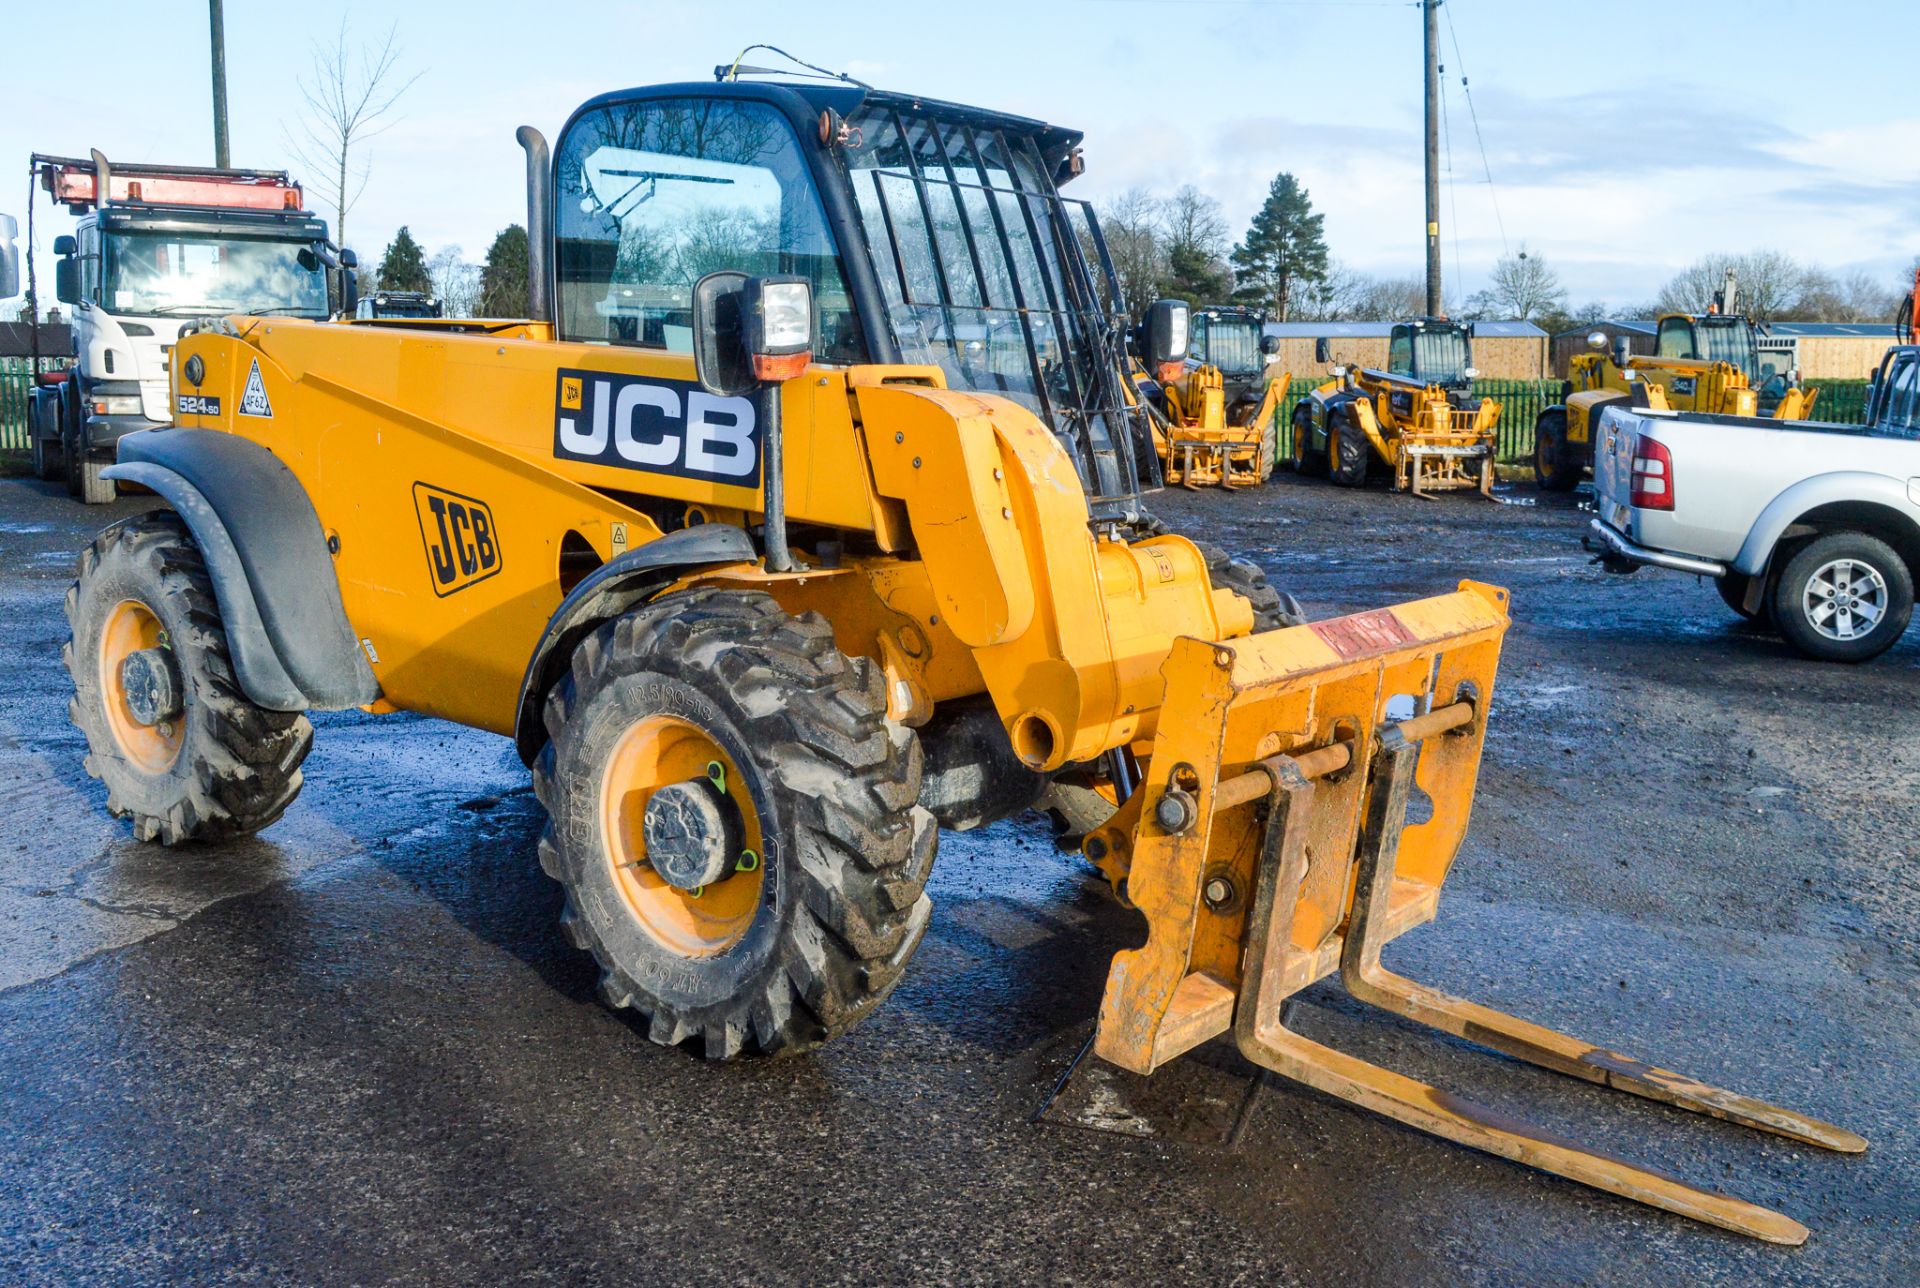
463, 546
657, 425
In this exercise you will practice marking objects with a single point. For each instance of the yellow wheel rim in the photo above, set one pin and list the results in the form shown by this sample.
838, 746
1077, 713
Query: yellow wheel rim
656, 752
129, 628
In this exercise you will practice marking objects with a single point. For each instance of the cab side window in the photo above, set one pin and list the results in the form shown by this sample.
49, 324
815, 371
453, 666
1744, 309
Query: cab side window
1400, 353
652, 196
1903, 396
1676, 339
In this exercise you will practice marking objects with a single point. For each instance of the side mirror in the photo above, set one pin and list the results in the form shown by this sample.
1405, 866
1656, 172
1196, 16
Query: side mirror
66, 280
9, 257
348, 259
749, 331
1269, 345
1322, 350
1597, 341
307, 259
65, 245
1622, 351
1167, 332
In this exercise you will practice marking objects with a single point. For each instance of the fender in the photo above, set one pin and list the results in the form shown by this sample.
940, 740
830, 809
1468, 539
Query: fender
1856, 487
293, 648
608, 591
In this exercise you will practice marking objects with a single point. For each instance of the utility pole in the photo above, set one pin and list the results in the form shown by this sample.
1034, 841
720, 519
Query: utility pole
216, 18
1431, 12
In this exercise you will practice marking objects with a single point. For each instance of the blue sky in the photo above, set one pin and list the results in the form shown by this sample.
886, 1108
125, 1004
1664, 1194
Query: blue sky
1627, 137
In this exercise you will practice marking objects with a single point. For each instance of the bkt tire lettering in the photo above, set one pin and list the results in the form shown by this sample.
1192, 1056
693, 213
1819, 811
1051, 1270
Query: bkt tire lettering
463, 546
659, 426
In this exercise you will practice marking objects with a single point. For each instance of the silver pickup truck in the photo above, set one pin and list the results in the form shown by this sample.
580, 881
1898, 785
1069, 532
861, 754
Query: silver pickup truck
1813, 527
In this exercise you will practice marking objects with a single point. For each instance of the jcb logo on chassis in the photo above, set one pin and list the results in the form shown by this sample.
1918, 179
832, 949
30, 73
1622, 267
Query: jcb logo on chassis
463, 546
660, 426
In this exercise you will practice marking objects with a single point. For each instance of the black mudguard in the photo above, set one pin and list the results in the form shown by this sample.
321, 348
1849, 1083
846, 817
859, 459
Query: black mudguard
608, 591
267, 554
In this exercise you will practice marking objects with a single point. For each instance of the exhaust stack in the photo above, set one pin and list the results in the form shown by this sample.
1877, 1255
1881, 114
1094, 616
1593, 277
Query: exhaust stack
539, 228
102, 179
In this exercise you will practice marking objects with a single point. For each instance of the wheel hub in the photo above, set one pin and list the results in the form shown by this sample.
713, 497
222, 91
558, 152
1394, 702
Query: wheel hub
692, 834
151, 685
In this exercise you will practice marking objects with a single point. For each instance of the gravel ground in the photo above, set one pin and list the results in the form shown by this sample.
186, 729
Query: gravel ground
356, 1049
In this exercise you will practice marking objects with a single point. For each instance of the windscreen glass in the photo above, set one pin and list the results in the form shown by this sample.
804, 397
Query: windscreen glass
1728, 340
1440, 356
1900, 398
1231, 344
989, 274
653, 196
162, 274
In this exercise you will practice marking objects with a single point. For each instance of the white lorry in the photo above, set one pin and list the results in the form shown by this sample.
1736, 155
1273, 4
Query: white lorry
1812, 527
154, 248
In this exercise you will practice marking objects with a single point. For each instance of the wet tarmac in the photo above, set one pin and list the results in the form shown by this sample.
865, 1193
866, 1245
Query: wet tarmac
357, 1050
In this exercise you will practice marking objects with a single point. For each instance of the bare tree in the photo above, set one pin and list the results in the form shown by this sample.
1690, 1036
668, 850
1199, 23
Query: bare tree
1770, 281
1349, 295
349, 101
1523, 288
1131, 223
456, 283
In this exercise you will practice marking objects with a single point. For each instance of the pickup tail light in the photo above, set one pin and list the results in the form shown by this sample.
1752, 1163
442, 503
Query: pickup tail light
1652, 484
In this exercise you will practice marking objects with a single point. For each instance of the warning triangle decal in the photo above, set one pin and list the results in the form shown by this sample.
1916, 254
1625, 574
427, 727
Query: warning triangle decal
253, 402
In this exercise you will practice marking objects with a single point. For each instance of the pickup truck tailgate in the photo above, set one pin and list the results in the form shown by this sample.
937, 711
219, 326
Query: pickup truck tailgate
1613, 473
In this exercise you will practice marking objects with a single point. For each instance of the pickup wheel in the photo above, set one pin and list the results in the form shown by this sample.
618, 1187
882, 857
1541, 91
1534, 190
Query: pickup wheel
1553, 465
1843, 597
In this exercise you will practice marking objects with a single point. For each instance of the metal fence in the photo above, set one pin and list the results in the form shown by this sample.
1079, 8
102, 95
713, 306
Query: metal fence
16, 380
1522, 401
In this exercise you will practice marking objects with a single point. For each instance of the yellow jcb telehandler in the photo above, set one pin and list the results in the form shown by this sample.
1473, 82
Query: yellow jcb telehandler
1216, 423
1703, 362
803, 518
1419, 418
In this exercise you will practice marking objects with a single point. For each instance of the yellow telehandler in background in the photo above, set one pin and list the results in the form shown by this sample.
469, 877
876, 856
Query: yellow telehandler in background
1419, 418
1220, 413
1704, 362
774, 552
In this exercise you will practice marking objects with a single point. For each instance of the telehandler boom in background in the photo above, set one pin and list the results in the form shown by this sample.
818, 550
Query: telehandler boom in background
774, 553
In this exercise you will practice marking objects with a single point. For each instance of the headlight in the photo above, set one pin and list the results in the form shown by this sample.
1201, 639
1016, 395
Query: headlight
1473, 373
786, 317
117, 405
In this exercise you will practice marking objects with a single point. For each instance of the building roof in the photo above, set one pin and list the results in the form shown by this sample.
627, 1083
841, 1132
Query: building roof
1778, 330
1381, 330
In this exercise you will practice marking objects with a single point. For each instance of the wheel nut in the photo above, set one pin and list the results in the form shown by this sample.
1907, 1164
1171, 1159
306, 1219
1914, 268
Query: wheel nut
1175, 811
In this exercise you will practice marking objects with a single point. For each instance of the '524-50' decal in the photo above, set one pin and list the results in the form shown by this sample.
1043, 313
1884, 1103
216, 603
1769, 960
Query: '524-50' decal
657, 425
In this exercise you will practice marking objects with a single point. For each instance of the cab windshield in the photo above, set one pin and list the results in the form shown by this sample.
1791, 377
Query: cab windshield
173, 274
1728, 340
1441, 356
1229, 343
989, 274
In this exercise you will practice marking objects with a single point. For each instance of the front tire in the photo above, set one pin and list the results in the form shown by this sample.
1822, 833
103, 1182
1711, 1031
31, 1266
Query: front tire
1306, 462
181, 749
1843, 597
1269, 448
1346, 449
1553, 467
803, 935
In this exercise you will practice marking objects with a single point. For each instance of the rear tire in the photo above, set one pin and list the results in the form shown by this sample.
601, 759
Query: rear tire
221, 766
1269, 448
1346, 449
1843, 597
49, 463
837, 903
90, 487
1553, 467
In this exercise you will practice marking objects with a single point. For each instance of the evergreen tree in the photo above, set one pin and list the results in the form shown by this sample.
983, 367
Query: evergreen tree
503, 281
404, 267
1195, 276
1284, 251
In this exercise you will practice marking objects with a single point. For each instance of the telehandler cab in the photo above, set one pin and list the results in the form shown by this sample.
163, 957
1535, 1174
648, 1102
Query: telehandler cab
802, 518
1419, 417
1217, 420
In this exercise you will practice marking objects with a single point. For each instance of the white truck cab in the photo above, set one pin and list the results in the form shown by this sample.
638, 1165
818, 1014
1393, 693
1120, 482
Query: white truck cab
154, 248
